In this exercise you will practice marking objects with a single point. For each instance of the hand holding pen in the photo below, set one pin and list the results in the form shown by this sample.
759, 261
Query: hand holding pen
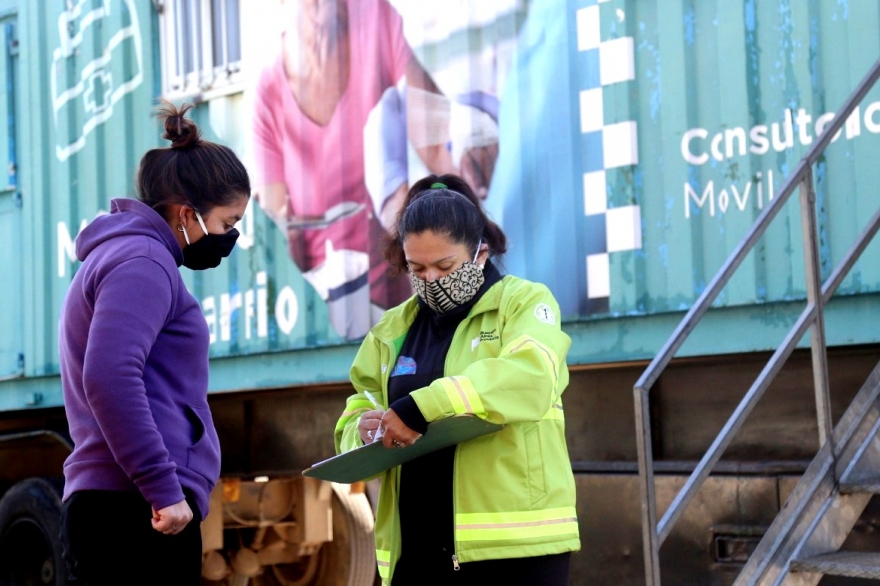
403, 436
370, 424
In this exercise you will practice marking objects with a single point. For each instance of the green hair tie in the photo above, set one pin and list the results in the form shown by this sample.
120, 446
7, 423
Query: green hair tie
439, 186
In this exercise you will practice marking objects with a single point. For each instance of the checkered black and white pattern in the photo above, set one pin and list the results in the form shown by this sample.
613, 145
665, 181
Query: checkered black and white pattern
610, 146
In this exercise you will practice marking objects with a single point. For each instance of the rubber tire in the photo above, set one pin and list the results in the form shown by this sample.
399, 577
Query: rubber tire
350, 559
30, 547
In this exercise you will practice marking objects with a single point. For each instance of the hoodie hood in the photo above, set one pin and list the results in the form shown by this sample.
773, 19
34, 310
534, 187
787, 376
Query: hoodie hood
127, 217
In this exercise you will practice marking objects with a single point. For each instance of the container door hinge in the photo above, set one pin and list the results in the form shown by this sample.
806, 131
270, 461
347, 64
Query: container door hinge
12, 47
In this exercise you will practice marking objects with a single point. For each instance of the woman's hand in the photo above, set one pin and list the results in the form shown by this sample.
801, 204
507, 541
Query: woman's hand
369, 424
477, 166
171, 520
395, 432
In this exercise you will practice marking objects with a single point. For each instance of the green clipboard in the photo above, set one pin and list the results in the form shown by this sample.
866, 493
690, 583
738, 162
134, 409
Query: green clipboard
371, 459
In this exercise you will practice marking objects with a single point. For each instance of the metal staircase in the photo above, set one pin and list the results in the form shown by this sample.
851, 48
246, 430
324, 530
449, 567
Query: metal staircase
803, 542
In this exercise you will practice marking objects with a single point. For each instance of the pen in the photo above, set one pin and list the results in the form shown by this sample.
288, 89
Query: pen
373, 400
381, 430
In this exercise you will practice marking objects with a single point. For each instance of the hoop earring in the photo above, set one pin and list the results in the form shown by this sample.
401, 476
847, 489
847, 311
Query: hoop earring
185, 235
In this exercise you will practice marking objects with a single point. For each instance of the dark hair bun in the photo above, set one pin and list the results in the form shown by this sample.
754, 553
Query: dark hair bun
181, 131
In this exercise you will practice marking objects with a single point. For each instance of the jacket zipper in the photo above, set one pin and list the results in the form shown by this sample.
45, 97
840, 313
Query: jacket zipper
455, 566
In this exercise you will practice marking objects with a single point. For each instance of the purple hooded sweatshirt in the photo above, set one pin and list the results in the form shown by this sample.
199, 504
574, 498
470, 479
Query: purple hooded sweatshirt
134, 365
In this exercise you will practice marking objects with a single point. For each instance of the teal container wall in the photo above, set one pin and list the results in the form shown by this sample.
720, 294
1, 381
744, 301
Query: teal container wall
751, 65
84, 109
11, 322
724, 99
726, 66
83, 120
700, 69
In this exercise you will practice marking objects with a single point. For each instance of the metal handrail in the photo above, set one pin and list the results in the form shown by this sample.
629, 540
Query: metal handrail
811, 318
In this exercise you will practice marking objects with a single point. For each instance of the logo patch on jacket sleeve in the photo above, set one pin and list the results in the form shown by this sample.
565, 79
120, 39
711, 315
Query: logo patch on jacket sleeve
545, 314
405, 365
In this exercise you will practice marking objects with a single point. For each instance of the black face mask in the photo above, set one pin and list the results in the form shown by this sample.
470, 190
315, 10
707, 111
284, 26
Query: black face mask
209, 250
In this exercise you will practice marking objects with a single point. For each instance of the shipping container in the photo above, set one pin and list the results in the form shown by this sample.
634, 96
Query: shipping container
625, 147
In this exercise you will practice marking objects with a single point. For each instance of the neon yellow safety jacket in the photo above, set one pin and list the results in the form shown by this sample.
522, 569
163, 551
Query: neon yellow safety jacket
513, 490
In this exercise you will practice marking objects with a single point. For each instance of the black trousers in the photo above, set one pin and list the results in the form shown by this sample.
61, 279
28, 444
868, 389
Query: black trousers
547, 570
108, 540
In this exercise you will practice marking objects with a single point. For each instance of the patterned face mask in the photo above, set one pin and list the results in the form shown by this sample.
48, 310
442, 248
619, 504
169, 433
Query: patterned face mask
452, 290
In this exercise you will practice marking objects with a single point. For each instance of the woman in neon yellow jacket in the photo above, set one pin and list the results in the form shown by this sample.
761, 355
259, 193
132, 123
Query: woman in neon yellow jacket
499, 508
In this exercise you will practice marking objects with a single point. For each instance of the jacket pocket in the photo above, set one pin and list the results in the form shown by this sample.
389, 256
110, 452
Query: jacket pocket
203, 456
535, 464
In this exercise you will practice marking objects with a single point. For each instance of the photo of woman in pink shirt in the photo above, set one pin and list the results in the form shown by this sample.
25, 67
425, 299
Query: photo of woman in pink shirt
334, 116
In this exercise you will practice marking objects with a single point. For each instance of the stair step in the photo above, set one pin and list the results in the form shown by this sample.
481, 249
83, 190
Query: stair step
841, 563
861, 486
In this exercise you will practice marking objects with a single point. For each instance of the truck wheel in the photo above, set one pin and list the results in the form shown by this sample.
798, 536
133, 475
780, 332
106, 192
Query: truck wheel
30, 550
348, 560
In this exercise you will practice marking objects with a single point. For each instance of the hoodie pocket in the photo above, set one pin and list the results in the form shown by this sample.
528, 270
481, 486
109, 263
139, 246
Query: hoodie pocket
203, 456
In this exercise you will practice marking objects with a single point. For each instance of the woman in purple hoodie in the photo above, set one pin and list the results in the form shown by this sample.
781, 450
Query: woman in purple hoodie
134, 367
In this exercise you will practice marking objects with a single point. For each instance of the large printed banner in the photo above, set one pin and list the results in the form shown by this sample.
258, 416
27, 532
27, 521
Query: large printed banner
624, 147
625, 150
